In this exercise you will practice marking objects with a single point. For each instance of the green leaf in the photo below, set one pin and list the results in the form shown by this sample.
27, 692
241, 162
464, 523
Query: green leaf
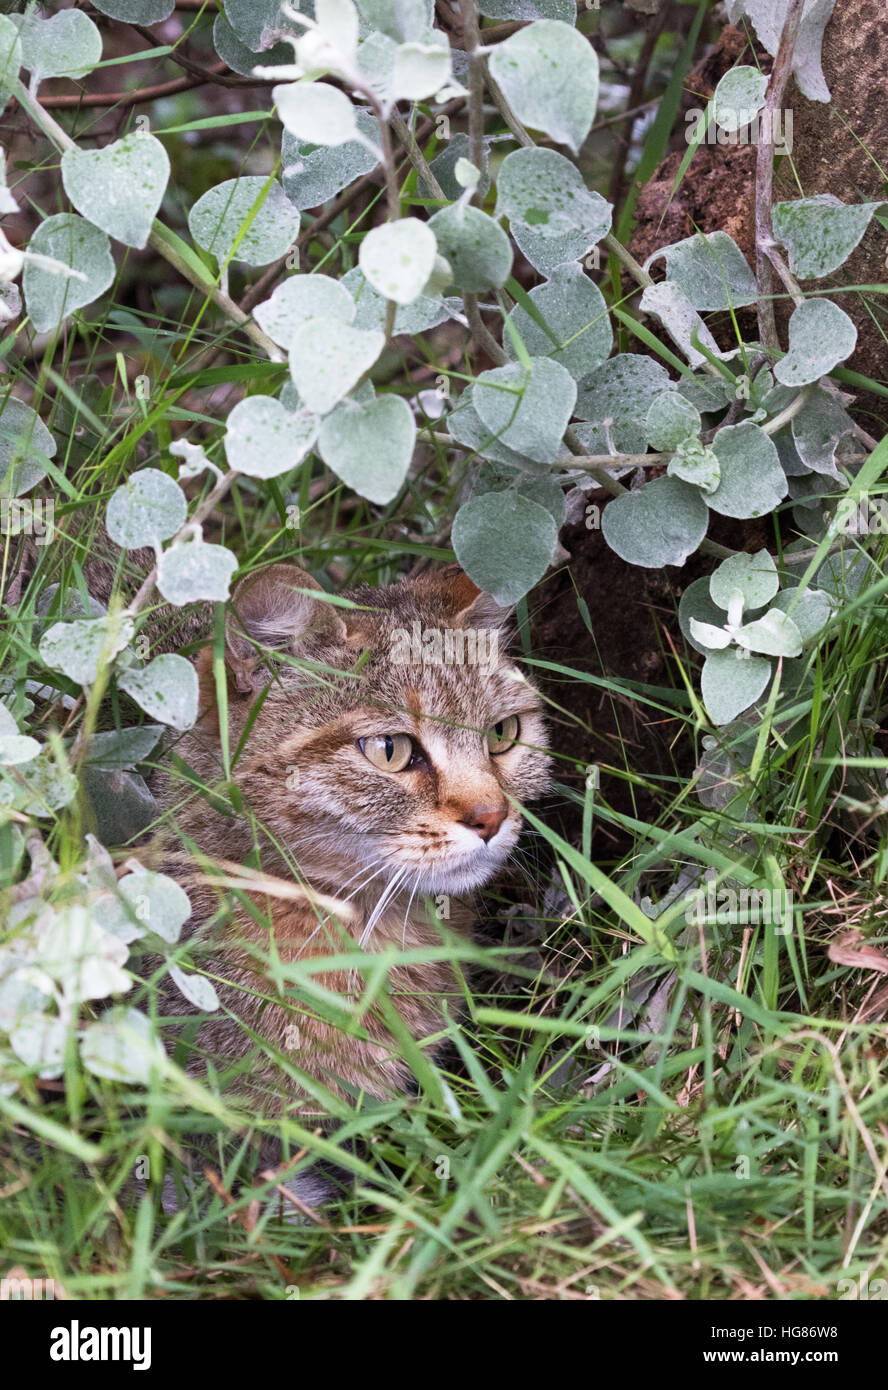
730, 682
820, 336
158, 902
505, 542
774, 634
166, 689
752, 481
15, 748
401, 20
10, 58
579, 335
121, 803
83, 647
425, 312
817, 430
739, 96
50, 295
259, 23
810, 609
620, 391
241, 59
328, 359
149, 507
122, 1047
769, 17
553, 216
397, 258
420, 68
671, 420
820, 233
668, 302
370, 446
710, 270
25, 443
312, 174
122, 748
197, 989
413, 319
468, 429
264, 440
216, 219
696, 464
137, 11
85, 960
565, 10
476, 248
755, 576
120, 187
661, 524
709, 637
315, 112
528, 410
64, 45
39, 1041
49, 784
192, 571
299, 298
696, 604
549, 75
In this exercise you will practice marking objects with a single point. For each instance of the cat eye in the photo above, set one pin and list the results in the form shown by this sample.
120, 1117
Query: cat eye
502, 736
389, 752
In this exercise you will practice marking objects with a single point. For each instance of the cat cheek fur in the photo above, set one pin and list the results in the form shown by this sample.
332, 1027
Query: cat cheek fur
328, 823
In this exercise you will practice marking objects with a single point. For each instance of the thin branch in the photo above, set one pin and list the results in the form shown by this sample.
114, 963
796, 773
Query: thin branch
416, 156
200, 514
764, 178
63, 142
127, 99
625, 257
477, 65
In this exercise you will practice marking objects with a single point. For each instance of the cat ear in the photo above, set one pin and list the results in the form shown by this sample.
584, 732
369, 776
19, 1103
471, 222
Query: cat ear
271, 609
461, 601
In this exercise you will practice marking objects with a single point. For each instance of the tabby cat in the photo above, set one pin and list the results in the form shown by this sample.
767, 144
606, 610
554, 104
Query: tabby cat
385, 745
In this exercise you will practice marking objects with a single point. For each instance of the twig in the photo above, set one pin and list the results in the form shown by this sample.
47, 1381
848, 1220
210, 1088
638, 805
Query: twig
416, 156
126, 99
200, 514
63, 142
476, 84
636, 91
764, 178
639, 275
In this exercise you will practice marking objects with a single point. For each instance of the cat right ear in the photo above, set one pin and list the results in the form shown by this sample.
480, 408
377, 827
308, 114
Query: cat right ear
460, 599
274, 608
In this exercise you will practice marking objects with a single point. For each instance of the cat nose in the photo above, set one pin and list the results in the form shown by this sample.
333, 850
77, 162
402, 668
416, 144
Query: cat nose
485, 820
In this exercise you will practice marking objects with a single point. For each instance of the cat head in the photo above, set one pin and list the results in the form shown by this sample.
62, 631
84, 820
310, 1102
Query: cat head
388, 731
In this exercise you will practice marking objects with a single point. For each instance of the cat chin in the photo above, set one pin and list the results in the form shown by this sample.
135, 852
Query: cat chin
469, 874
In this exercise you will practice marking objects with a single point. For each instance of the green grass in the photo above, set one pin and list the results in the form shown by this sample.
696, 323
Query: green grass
622, 1108
735, 1139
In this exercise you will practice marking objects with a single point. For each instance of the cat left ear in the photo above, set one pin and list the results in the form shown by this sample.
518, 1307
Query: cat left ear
273, 609
461, 601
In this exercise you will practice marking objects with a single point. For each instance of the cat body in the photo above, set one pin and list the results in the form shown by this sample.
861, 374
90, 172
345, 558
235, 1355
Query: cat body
382, 745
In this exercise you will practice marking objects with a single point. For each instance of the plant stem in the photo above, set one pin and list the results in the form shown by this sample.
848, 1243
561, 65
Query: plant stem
764, 178
200, 514
63, 142
416, 156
